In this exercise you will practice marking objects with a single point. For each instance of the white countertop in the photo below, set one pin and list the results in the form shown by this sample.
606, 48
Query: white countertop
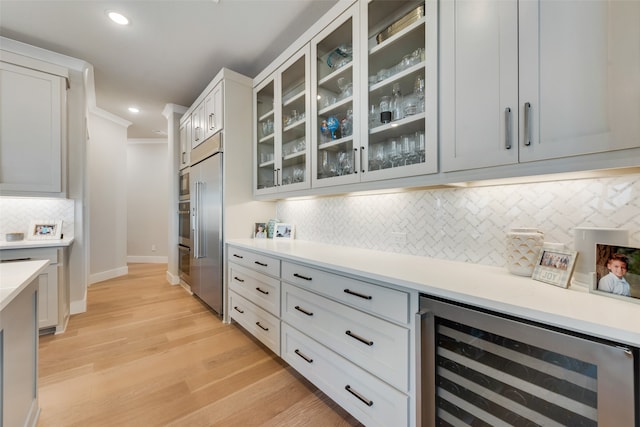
15, 276
29, 244
488, 287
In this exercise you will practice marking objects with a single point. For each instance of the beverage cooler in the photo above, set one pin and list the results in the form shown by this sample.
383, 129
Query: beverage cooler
480, 368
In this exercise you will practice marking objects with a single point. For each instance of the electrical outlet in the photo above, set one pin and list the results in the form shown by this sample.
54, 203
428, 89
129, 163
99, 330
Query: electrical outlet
398, 237
153, 248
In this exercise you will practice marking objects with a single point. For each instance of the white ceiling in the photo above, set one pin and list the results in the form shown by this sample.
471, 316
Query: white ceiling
170, 51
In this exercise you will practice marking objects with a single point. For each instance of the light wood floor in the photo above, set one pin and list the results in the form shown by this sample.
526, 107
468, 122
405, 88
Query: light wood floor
148, 354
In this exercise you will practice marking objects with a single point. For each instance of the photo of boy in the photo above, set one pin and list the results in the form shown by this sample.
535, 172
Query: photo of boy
617, 272
614, 282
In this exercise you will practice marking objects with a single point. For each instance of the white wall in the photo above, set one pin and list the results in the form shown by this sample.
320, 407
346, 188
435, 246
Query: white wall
107, 187
147, 201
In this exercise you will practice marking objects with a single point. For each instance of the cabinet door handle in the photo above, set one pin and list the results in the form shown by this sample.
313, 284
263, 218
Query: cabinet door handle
306, 358
507, 128
262, 264
360, 397
527, 124
262, 291
278, 178
302, 310
359, 338
300, 276
355, 152
350, 292
238, 279
238, 256
212, 124
361, 159
261, 327
238, 310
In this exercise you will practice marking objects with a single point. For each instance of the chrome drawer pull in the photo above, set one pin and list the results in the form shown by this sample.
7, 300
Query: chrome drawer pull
260, 263
359, 396
527, 124
262, 292
359, 338
507, 128
262, 327
238, 256
302, 310
306, 358
300, 276
238, 279
238, 310
350, 292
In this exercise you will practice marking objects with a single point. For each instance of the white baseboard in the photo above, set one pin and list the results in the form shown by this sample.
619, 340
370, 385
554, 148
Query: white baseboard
106, 275
173, 279
78, 306
148, 259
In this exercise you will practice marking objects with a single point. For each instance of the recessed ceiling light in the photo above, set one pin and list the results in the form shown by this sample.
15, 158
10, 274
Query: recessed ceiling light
117, 17
134, 109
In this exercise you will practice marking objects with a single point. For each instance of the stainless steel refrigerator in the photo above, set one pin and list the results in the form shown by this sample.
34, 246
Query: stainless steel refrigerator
206, 210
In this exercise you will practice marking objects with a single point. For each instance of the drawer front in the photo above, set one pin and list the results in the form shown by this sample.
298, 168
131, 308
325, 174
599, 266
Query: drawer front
385, 302
376, 345
262, 325
35, 253
263, 291
364, 396
258, 262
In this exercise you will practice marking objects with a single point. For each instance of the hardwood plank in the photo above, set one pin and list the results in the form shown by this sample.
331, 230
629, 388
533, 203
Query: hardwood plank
149, 354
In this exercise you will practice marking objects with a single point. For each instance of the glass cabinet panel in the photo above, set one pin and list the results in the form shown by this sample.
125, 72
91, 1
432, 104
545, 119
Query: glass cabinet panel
396, 101
336, 87
265, 136
294, 83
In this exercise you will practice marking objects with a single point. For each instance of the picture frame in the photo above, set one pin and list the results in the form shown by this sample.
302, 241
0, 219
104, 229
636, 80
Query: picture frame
260, 230
45, 229
555, 266
610, 280
283, 231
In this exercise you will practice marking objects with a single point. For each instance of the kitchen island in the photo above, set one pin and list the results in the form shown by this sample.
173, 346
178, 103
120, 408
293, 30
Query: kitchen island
19, 341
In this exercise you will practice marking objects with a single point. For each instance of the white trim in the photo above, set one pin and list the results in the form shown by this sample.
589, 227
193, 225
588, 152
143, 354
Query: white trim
133, 141
59, 59
106, 275
173, 279
173, 109
96, 111
147, 259
78, 307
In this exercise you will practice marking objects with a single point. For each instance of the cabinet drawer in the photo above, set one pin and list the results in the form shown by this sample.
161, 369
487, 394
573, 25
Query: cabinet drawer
376, 345
262, 325
364, 396
381, 301
258, 262
33, 253
261, 290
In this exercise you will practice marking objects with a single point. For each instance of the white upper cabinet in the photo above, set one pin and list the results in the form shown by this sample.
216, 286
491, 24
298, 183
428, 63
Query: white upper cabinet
536, 80
282, 128
579, 77
32, 131
213, 111
335, 73
185, 143
197, 126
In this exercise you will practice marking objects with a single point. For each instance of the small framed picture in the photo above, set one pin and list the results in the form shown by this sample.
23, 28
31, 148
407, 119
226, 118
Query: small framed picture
617, 272
555, 266
45, 229
283, 231
260, 230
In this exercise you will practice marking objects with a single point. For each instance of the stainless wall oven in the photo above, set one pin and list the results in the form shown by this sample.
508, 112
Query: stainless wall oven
184, 241
480, 368
183, 184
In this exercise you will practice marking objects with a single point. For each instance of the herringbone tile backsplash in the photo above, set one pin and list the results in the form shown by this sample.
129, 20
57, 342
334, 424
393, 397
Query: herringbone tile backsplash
467, 224
17, 213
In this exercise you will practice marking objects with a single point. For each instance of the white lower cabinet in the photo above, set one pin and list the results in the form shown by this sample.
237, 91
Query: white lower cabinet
261, 324
372, 401
351, 338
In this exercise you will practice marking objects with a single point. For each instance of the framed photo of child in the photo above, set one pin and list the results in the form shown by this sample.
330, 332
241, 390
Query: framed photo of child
617, 272
260, 230
554, 266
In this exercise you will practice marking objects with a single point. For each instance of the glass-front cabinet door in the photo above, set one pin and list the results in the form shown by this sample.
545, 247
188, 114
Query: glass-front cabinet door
336, 87
283, 127
294, 168
265, 148
400, 96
